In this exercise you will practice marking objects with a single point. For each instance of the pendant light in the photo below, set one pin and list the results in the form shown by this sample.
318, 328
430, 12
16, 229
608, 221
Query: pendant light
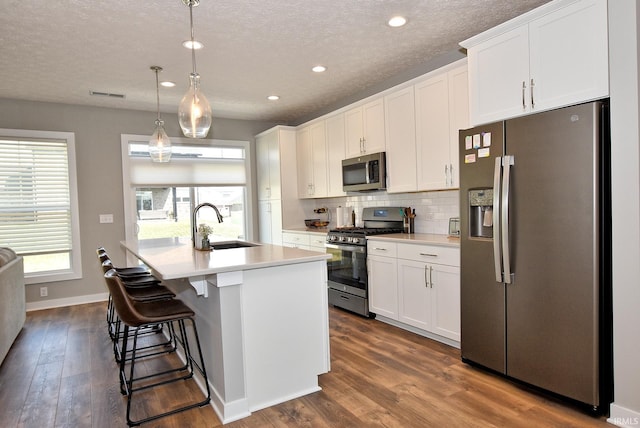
194, 112
159, 144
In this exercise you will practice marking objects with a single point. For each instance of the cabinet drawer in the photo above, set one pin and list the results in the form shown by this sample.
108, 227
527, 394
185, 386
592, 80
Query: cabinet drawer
430, 254
382, 248
295, 239
317, 241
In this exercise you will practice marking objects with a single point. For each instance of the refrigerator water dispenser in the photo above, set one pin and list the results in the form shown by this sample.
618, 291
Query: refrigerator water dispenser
481, 213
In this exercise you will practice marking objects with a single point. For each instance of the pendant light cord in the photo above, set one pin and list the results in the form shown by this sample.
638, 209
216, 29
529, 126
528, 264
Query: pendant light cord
157, 93
193, 49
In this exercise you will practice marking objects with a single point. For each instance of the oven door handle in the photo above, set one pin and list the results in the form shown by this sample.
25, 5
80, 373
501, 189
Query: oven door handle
352, 248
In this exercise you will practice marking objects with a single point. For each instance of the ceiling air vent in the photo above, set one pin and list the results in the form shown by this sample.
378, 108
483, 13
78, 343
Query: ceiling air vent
106, 94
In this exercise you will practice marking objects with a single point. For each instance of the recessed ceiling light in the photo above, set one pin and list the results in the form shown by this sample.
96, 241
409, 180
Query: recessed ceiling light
196, 44
319, 69
397, 21
273, 97
168, 84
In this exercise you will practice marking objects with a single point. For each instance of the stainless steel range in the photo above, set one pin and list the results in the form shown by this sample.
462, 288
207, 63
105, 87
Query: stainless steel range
347, 268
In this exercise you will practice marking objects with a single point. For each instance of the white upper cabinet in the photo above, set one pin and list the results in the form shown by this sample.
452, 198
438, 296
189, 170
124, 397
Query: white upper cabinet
268, 162
458, 117
364, 129
441, 110
334, 126
400, 129
432, 123
312, 161
552, 56
277, 182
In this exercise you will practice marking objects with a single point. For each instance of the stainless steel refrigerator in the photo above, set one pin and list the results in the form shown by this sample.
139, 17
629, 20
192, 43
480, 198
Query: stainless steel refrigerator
536, 252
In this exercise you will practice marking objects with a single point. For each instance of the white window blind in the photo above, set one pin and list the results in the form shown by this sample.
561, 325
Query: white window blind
190, 166
35, 204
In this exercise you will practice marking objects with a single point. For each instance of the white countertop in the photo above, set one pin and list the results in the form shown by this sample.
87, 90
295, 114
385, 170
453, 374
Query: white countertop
418, 238
173, 258
317, 231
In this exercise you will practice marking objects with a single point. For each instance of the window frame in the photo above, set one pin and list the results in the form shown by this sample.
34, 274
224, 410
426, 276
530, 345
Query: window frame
75, 270
129, 194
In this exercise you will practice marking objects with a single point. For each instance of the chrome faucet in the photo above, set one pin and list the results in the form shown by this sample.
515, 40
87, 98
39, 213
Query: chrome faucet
194, 224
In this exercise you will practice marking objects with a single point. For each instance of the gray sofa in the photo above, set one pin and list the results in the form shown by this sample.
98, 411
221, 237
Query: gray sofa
12, 299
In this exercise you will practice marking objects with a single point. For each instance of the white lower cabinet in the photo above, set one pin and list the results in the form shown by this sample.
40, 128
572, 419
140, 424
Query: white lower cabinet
295, 240
417, 285
313, 241
317, 241
383, 286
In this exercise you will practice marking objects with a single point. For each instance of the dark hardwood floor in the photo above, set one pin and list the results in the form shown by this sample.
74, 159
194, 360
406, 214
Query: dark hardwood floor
60, 373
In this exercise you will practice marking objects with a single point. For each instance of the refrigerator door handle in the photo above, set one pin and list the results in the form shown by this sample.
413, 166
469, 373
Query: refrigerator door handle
497, 257
508, 161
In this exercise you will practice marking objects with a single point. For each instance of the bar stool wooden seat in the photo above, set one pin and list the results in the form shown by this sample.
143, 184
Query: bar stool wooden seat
135, 316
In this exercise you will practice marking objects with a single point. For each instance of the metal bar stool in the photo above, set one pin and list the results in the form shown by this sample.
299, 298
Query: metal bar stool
141, 286
137, 315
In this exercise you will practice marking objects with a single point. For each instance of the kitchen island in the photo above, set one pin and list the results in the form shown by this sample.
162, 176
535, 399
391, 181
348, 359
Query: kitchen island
262, 317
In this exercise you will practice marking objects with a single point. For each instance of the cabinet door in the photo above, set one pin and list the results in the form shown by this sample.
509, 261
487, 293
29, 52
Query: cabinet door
264, 222
414, 294
318, 159
458, 118
400, 129
335, 154
354, 132
303, 160
364, 129
373, 125
432, 133
383, 288
270, 221
498, 69
569, 55
268, 165
445, 287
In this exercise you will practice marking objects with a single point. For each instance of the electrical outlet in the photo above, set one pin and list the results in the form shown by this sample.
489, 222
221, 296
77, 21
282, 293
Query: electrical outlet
44, 291
106, 218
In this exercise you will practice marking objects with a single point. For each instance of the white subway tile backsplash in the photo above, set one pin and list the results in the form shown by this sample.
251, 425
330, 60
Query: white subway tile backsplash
433, 209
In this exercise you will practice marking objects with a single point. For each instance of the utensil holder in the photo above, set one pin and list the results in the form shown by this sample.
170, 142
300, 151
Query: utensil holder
408, 224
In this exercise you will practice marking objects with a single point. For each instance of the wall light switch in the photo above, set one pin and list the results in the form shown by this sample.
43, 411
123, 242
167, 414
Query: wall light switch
106, 218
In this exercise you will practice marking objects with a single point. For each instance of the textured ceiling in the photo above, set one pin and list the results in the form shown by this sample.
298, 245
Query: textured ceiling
59, 50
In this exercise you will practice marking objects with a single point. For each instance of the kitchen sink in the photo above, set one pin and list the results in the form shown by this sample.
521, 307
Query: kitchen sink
225, 245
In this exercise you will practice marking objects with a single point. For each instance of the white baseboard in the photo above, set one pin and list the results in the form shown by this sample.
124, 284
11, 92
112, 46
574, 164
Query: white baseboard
623, 417
67, 301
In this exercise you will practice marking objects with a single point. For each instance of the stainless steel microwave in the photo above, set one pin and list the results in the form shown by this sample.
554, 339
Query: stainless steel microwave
366, 172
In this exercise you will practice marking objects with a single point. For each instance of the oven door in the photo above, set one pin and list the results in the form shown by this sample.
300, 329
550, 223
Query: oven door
347, 268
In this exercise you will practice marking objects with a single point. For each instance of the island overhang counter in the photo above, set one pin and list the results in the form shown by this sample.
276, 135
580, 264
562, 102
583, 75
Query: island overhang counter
262, 316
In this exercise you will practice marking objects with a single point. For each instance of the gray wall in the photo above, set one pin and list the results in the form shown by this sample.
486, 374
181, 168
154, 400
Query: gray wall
99, 168
624, 65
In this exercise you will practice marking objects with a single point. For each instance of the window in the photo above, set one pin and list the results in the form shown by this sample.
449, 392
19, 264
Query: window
38, 203
159, 198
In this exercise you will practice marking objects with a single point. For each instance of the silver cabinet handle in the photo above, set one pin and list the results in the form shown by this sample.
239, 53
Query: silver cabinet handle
451, 175
431, 275
426, 281
428, 255
446, 174
524, 87
497, 257
379, 249
504, 223
532, 103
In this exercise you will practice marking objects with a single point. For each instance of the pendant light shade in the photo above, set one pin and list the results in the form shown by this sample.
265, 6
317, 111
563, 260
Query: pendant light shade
159, 143
194, 112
